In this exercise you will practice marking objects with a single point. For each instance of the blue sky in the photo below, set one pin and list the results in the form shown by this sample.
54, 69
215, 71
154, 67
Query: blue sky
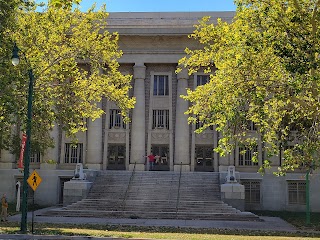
161, 5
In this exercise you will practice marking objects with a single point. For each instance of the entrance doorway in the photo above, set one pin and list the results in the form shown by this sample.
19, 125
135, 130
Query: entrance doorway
204, 159
116, 157
62, 181
162, 162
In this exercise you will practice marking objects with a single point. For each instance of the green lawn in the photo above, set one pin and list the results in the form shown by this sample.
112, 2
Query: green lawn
154, 232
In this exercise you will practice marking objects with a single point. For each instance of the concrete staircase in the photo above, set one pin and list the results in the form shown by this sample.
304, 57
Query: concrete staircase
155, 195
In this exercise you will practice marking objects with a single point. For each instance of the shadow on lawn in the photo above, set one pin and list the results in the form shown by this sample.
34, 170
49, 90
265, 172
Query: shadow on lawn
297, 219
124, 231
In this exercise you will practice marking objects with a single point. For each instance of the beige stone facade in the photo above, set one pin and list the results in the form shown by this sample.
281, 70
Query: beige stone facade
152, 44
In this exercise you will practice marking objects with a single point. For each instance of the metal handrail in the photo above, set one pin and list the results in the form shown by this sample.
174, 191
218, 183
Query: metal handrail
129, 184
178, 197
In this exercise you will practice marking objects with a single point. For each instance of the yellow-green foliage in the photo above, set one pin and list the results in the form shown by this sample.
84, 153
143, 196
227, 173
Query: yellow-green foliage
74, 61
264, 68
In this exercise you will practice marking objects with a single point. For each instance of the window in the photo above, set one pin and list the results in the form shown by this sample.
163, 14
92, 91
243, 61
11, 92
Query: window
202, 80
245, 156
251, 126
252, 191
160, 119
73, 153
35, 157
161, 85
200, 124
116, 119
297, 192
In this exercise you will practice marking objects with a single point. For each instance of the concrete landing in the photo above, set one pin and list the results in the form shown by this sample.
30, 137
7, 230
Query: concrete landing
269, 223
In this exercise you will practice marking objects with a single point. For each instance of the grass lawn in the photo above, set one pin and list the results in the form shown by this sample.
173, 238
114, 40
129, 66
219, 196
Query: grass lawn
153, 232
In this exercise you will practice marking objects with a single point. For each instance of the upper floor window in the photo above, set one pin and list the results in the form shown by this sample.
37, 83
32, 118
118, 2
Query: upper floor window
73, 153
35, 157
245, 156
160, 119
116, 120
161, 85
251, 126
200, 124
202, 79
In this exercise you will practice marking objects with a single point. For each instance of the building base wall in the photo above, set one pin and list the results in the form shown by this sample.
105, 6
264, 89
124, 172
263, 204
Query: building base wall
273, 189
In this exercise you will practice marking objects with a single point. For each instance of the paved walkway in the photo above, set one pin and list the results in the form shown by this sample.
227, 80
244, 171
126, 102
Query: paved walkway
269, 224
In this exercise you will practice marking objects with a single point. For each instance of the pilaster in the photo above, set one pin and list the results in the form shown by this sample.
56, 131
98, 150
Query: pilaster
94, 150
138, 118
182, 136
53, 153
7, 160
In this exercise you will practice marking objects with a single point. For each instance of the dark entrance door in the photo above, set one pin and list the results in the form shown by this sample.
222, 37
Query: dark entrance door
203, 159
62, 181
116, 157
162, 157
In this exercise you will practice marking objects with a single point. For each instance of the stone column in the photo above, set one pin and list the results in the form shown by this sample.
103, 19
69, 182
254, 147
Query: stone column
7, 160
105, 129
182, 135
53, 153
138, 140
215, 154
94, 150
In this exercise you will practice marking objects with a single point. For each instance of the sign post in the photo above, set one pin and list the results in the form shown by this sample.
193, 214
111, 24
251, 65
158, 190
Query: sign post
34, 181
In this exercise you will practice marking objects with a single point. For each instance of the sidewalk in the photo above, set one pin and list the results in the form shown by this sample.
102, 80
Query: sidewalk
269, 224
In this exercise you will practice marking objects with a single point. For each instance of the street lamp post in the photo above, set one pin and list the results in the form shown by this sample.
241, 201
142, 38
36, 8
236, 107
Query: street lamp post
24, 205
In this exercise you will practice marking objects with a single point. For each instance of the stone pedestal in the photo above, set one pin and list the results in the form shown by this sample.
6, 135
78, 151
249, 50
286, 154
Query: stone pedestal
233, 194
75, 190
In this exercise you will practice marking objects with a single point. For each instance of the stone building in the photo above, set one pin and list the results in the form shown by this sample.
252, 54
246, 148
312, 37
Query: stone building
152, 44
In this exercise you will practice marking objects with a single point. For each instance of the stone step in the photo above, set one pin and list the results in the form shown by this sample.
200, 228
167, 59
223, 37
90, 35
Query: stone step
121, 194
151, 203
154, 215
151, 207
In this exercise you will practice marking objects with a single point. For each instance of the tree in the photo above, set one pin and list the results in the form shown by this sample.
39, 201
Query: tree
67, 4
264, 68
74, 60
7, 22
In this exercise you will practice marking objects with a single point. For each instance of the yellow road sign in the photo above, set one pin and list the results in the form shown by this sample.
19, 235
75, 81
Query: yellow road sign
34, 180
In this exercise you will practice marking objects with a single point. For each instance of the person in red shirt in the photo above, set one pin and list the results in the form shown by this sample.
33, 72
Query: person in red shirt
151, 158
